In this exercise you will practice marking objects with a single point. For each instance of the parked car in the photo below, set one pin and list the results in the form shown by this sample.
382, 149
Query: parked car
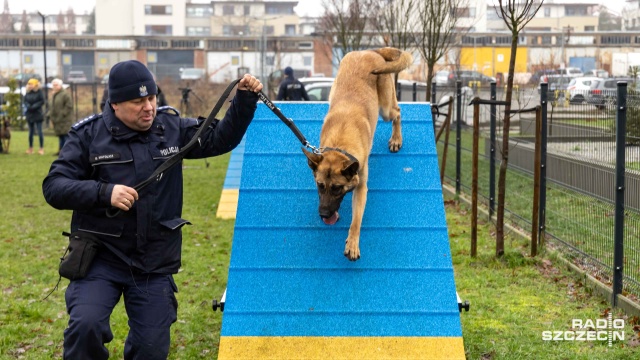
318, 91
315, 79
441, 78
539, 75
597, 73
570, 72
192, 74
556, 82
468, 77
603, 92
76, 76
579, 88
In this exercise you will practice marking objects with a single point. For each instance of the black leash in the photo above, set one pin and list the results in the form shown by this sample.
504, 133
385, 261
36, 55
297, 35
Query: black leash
177, 157
288, 122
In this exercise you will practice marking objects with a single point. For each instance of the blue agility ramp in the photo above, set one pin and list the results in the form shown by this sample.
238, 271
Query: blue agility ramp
291, 293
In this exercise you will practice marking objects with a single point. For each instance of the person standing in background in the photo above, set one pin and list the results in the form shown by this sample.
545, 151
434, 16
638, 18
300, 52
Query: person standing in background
60, 112
290, 88
33, 101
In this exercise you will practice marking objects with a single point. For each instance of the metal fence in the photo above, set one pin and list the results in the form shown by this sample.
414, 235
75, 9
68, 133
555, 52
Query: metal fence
590, 175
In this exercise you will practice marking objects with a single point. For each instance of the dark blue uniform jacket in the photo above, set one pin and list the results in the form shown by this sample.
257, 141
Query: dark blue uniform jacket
102, 152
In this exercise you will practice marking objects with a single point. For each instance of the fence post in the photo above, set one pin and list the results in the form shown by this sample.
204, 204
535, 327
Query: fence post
618, 251
536, 184
474, 176
415, 92
492, 152
544, 88
458, 133
433, 92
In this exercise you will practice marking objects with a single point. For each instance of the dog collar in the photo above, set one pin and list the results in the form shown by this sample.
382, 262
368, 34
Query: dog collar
351, 157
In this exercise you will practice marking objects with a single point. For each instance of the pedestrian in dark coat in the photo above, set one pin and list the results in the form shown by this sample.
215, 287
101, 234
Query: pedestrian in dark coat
60, 112
33, 101
291, 89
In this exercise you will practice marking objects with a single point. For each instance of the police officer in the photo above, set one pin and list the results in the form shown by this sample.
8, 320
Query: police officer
103, 158
290, 88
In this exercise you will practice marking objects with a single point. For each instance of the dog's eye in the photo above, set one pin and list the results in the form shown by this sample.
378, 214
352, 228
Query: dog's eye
336, 189
320, 186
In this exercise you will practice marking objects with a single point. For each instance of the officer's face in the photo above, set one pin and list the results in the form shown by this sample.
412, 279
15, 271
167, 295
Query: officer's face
137, 114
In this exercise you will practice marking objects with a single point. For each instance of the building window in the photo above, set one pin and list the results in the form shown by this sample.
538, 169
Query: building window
589, 28
465, 12
547, 12
227, 10
198, 31
199, 11
269, 30
306, 60
235, 30
290, 29
158, 10
575, 11
247, 10
278, 10
158, 30
270, 60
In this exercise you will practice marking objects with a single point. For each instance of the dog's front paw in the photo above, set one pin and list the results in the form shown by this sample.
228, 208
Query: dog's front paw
395, 144
352, 250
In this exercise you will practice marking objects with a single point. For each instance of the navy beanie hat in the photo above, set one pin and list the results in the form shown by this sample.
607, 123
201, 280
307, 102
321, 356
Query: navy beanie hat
288, 71
130, 80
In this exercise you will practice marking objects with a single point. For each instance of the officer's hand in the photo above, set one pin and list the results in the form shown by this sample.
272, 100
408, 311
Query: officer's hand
250, 83
123, 197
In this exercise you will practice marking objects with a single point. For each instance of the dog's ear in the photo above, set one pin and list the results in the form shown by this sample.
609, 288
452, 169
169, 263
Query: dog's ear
312, 159
350, 169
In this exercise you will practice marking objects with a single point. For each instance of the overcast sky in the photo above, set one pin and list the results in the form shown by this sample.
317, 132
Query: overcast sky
312, 7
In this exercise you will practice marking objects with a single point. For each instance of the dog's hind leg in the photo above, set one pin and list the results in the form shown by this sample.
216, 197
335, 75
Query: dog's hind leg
389, 110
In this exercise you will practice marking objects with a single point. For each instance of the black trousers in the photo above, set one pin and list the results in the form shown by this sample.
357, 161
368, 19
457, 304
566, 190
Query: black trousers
150, 303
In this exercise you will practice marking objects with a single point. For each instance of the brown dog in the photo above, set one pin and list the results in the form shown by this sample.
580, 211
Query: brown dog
363, 87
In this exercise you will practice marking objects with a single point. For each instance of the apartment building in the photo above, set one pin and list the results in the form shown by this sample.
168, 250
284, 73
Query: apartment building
61, 23
555, 16
184, 18
631, 15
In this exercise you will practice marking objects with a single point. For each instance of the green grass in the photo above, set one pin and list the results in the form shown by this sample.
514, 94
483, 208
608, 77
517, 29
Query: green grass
513, 299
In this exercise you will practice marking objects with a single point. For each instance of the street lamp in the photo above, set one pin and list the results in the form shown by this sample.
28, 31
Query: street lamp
44, 51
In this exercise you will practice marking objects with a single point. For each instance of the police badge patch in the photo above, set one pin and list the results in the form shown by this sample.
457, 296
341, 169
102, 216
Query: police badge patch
143, 91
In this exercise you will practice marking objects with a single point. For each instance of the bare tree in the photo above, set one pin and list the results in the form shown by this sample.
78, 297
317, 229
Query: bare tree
6, 20
516, 14
345, 26
436, 31
395, 22
24, 28
71, 21
61, 25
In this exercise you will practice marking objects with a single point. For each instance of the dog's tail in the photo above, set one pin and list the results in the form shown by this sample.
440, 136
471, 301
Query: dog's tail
396, 60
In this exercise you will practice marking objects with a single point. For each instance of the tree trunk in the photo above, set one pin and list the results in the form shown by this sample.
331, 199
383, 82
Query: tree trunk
502, 179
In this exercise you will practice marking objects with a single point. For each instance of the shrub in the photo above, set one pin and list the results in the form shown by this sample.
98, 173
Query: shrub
13, 106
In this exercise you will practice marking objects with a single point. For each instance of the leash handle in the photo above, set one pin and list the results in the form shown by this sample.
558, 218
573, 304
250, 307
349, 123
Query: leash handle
284, 119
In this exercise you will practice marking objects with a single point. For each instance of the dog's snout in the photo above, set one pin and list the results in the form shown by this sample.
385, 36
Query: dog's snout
325, 213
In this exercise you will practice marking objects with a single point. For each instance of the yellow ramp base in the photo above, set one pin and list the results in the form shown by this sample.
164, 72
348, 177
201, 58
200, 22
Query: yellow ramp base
228, 204
323, 348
